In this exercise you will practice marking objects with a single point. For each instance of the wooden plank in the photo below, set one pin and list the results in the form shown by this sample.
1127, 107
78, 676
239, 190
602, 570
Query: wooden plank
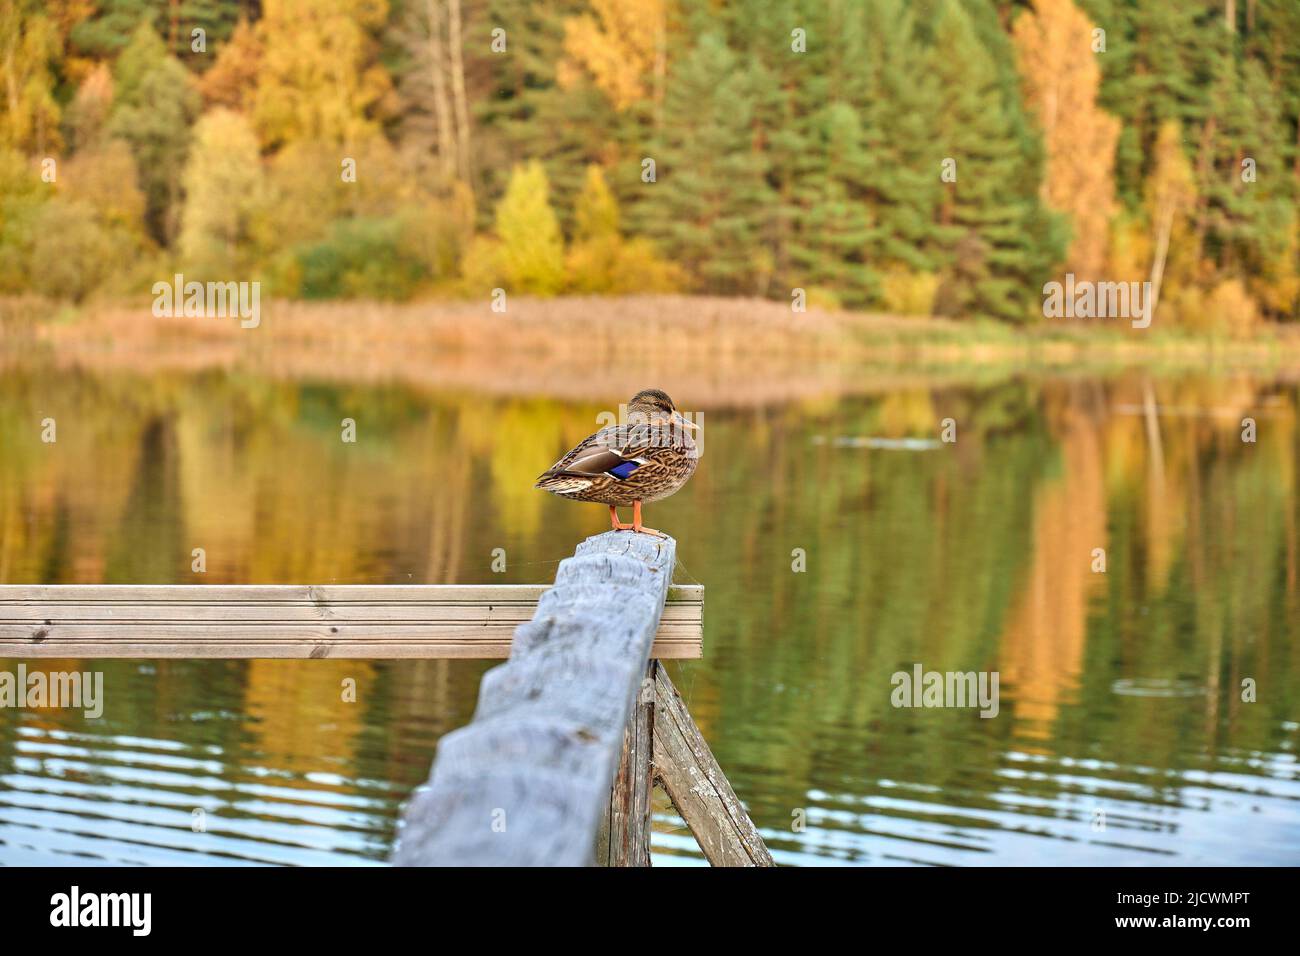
625, 834
293, 621
313, 594
525, 784
343, 642
685, 767
300, 613
251, 593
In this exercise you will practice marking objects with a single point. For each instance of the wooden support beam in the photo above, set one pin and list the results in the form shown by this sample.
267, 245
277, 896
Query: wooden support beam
526, 782
293, 620
685, 767
625, 828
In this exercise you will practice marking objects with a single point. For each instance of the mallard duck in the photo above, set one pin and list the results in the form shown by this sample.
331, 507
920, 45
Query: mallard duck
648, 458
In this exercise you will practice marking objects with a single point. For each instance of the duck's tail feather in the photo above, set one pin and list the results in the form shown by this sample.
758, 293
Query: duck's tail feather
563, 483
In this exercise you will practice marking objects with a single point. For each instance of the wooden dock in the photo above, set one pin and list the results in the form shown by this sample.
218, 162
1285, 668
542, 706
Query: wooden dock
571, 733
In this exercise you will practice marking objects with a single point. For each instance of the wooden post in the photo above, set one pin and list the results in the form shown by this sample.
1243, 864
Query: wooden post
526, 782
625, 828
685, 767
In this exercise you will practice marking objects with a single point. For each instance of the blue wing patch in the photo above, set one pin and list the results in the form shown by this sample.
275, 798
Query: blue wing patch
621, 471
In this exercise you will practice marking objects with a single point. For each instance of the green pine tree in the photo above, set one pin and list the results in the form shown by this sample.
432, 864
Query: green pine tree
109, 28
710, 206
994, 239
529, 114
154, 106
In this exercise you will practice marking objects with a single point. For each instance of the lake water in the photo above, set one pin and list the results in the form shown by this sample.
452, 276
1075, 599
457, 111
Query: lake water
1122, 736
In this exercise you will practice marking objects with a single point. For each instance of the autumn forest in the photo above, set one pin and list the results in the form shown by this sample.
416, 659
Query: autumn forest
941, 157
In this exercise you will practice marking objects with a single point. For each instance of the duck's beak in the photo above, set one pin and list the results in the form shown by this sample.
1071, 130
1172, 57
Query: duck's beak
684, 422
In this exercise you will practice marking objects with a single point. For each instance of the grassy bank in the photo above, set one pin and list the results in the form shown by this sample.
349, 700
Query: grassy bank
721, 350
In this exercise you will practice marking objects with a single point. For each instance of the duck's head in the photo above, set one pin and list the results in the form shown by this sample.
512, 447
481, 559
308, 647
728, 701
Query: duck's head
657, 408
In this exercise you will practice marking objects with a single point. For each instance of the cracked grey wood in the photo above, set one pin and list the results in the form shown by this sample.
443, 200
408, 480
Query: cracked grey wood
292, 621
685, 767
526, 782
625, 825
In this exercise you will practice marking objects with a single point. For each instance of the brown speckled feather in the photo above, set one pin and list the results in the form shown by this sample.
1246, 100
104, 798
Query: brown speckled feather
621, 464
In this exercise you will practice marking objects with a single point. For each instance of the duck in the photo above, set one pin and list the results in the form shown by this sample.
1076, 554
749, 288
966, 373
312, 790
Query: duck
647, 458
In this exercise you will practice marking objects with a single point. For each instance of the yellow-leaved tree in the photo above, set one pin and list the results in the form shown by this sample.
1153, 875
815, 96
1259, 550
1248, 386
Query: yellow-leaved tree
595, 215
1061, 79
29, 112
1170, 194
600, 260
622, 48
223, 185
319, 78
529, 250
232, 81
90, 235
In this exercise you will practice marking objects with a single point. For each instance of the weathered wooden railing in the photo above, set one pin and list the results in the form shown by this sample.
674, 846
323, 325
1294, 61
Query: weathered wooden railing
580, 705
348, 621
569, 736
525, 782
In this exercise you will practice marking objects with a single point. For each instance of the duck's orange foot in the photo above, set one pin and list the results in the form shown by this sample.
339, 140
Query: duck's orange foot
615, 523
638, 527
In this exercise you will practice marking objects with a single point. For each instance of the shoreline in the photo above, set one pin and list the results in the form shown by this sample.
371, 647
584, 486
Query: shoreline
727, 351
